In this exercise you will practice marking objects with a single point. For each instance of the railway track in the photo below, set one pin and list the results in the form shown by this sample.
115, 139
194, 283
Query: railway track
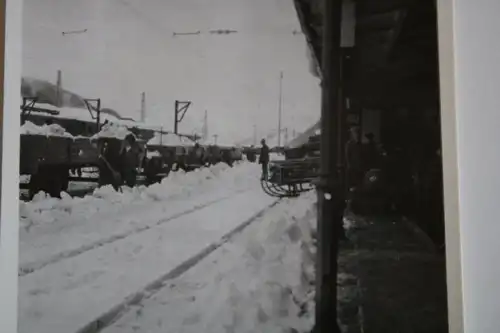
134, 299
119, 272
29, 268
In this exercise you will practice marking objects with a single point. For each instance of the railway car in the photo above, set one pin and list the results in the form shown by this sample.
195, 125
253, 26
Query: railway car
57, 144
48, 153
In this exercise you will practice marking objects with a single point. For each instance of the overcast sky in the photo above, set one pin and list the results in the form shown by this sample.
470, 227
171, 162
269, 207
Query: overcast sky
129, 47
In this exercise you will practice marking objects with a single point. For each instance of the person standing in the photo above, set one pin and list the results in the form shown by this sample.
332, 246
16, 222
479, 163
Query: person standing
264, 158
130, 155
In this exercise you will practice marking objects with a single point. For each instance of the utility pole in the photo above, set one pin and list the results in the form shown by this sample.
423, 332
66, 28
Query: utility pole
215, 139
279, 108
286, 136
143, 107
59, 89
205, 126
254, 135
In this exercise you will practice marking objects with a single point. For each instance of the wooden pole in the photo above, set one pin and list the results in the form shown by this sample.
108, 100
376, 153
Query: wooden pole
329, 191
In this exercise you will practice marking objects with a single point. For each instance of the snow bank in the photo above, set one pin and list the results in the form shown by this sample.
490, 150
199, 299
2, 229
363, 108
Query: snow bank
170, 139
260, 281
153, 153
267, 286
46, 130
113, 130
178, 185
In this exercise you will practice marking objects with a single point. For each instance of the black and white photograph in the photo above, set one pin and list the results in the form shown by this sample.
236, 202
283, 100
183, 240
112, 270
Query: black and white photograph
236, 166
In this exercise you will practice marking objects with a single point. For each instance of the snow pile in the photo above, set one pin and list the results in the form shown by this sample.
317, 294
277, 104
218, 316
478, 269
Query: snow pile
46, 130
178, 185
268, 287
260, 281
112, 130
170, 140
152, 153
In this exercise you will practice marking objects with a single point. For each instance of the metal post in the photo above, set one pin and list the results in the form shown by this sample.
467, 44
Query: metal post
279, 108
254, 135
205, 126
176, 121
59, 89
143, 107
98, 115
330, 193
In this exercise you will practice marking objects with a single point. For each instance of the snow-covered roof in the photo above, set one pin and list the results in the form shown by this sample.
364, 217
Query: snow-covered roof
219, 143
170, 140
113, 130
28, 128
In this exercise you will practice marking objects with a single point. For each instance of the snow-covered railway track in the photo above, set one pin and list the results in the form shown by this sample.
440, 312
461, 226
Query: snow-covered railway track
136, 298
97, 284
25, 269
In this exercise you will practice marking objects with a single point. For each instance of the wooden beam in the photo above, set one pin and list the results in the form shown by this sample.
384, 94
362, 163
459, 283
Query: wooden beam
329, 189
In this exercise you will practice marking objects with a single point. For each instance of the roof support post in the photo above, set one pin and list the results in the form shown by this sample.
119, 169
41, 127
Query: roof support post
331, 200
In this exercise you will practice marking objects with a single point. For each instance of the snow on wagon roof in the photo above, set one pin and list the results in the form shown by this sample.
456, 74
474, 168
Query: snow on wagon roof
170, 140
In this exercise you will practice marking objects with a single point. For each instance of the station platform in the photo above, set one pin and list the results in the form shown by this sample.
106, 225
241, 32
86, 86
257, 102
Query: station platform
391, 279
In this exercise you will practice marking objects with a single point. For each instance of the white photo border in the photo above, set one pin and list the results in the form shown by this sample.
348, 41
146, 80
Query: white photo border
9, 176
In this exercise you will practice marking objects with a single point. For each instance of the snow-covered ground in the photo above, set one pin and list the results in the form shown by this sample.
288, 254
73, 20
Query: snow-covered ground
52, 228
199, 252
259, 281
82, 257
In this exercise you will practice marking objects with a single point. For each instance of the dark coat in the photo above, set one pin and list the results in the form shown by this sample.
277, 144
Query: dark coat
264, 154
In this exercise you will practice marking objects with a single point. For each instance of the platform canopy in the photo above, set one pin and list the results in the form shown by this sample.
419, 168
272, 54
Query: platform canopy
393, 57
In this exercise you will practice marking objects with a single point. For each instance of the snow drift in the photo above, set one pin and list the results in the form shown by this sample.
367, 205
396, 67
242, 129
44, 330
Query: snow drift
178, 185
260, 281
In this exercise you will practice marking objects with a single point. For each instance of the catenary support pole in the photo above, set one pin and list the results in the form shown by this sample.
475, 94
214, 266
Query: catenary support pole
280, 107
176, 117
